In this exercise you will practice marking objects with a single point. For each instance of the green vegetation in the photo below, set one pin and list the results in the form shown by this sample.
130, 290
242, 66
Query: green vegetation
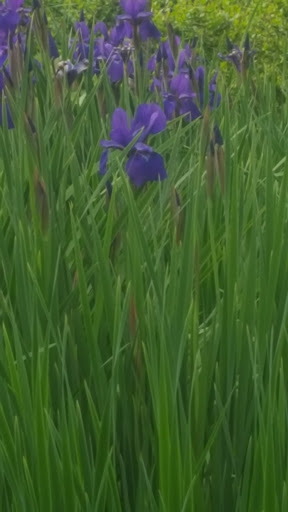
144, 335
212, 21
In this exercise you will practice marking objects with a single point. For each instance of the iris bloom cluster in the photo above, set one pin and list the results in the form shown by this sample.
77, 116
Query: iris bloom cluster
175, 75
182, 88
116, 47
178, 79
111, 49
15, 21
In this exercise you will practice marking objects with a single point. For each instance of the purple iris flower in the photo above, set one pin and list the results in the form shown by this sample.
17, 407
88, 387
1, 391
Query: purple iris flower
114, 63
163, 62
136, 15
240, 59
102, 28
13, 4
179, 100
115, 59
53, 50
198, 79
82, 46
120, 32
8, 21
134, 10
214, 97
82, 29
110, 49
163, 58
235, 55
143, 163
187, 56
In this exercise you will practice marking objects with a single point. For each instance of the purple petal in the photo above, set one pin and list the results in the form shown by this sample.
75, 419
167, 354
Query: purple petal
143, 148
103, 162
133, 7
145, 167
13, 4
156, 85
9, 22
120, 132
182, 61
119, 32
164, 53
53, 50
214, 99
180, 84
212, 85
151, 63
169, 107
101, 27
189, 109
187, 51
236, 59
149, 30
150, 117
115, 68
83, 29
104, 49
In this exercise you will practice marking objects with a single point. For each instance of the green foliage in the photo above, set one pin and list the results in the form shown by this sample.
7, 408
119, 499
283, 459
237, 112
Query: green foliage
143, 366
143, 340
104, 10
212, 21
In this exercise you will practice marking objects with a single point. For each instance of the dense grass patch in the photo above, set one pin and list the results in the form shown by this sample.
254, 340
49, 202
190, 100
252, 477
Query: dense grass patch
143, 341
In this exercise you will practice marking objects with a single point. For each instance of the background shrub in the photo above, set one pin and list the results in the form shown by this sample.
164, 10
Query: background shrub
213, 20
